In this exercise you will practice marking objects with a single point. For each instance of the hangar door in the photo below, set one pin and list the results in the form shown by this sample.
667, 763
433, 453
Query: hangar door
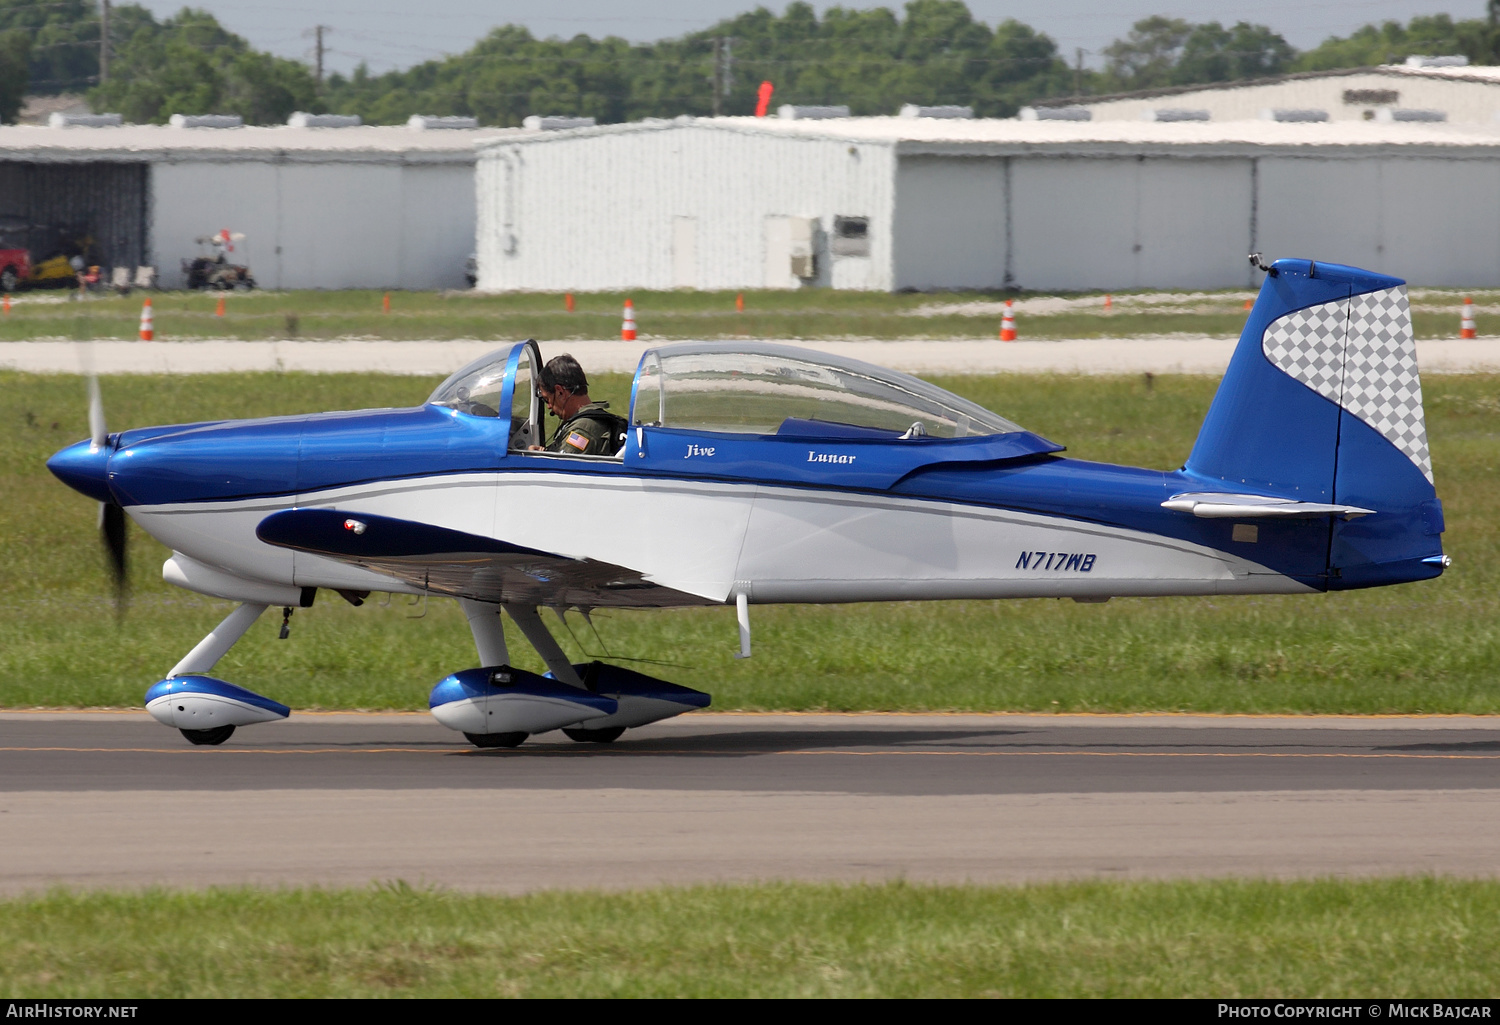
95, 209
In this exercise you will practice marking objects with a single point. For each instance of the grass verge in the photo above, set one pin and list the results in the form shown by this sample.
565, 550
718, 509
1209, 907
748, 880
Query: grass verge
819, 313
1396, 938
1428, 647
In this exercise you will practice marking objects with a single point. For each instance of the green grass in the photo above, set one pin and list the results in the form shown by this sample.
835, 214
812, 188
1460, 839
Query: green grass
1392, 938
816, 313
1427, 647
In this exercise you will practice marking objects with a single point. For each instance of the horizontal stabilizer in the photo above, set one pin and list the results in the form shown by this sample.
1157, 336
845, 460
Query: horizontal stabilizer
1216, 506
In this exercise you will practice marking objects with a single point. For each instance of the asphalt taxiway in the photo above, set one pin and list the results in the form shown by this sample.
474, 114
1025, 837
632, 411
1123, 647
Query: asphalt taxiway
113, 799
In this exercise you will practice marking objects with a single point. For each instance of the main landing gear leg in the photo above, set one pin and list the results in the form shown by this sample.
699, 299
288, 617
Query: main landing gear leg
220, 639
206, 654
488, 631
530, 622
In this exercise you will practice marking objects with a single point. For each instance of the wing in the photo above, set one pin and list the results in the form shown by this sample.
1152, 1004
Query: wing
464, 565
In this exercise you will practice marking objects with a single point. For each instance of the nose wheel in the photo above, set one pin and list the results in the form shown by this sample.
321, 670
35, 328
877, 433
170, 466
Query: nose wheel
209, 738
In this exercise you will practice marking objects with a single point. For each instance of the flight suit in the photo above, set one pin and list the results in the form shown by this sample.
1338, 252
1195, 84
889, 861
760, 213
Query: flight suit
592, 431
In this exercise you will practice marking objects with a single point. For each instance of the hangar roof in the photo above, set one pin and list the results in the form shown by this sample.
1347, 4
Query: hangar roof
164, 144
1479, 74
1010, 136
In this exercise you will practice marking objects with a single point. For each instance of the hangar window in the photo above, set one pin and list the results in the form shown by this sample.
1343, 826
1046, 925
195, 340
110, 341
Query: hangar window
741, 388
851, 236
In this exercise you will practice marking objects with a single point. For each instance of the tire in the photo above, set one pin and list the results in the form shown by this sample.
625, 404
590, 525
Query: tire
604, 736
8, 280
496, 739
209, 738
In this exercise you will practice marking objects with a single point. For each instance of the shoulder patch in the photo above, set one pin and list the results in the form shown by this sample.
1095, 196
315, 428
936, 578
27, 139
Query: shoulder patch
577, 440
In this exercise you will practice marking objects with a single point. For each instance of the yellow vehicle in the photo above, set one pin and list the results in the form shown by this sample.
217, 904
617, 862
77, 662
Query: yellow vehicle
69, 257
54, 271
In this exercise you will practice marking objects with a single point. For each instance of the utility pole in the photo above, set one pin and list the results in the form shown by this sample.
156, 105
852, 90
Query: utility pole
723, 77
319, 32
1078, 71
718, 65
103, 41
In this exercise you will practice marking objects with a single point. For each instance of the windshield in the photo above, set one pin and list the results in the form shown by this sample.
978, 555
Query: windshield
749, 388
475, 389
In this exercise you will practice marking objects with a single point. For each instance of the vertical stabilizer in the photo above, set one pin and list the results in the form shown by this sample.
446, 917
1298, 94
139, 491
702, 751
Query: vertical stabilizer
1322, 402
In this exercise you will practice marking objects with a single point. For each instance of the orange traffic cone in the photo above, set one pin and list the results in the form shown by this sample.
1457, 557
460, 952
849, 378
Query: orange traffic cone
568, 301
7, 304
1008, 324
627, 326
739, 303
148, 330
1109, 301
385, 304
219, 309
1249, 303
1466, 325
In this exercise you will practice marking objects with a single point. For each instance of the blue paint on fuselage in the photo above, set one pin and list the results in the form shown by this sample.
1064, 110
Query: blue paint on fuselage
299, 454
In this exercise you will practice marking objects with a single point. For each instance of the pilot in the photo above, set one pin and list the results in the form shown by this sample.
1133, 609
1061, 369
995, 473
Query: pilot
588, 427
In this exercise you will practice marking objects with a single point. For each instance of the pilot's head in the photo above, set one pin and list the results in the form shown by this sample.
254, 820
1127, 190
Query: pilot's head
563, 385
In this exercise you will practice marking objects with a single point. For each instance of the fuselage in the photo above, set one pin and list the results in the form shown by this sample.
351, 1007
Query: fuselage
781, 518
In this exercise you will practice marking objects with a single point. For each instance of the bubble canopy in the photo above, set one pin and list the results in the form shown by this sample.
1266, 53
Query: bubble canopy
756, 388
475, 388
766, 389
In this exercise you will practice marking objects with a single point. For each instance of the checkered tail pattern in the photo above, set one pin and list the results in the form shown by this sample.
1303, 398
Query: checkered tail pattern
1359, 353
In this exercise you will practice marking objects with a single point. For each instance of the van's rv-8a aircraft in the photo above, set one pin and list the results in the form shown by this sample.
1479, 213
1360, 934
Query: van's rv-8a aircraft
755, 473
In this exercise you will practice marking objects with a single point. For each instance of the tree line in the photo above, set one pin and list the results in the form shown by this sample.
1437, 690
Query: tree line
872, 60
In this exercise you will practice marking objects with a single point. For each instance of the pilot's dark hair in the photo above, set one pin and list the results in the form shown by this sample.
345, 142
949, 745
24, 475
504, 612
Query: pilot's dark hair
564, 370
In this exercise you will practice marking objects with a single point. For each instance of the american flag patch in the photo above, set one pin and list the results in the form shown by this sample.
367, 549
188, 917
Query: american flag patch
577, 440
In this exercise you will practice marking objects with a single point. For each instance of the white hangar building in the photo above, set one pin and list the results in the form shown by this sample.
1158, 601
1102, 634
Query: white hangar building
923, 203
356, 207
1459, 94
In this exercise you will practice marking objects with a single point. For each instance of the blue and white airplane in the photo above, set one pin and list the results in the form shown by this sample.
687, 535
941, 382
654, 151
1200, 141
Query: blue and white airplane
753, 473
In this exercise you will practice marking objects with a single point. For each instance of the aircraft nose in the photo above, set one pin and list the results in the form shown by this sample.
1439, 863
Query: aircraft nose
84, 468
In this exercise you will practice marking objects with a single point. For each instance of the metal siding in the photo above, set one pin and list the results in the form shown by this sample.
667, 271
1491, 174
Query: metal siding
437, 225
321, 225
596, 211
1074, 222
950, 223
192, 200
1194, 226
1441, 218
340, 225
1323, 210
